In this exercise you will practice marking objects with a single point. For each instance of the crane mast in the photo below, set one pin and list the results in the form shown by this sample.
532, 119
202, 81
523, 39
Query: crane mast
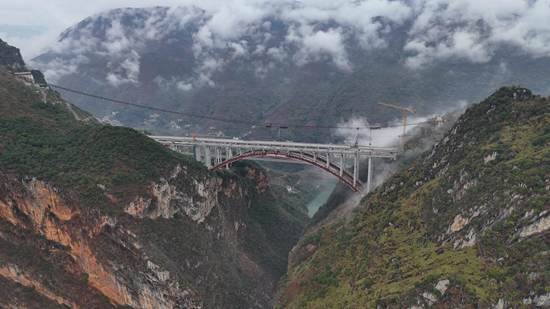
201, 135
406, 109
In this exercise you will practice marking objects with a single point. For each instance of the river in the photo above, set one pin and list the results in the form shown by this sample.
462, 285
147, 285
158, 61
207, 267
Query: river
320, 199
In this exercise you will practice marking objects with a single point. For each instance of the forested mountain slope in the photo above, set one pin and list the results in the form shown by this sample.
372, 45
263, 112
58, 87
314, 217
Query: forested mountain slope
95, 216
464, 226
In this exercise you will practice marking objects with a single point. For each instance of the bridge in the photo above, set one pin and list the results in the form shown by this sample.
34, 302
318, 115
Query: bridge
332, 158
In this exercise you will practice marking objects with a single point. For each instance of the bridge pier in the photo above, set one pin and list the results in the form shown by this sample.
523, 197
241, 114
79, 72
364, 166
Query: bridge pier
355, 169
342, 162
369, 176
207, 157
228, 155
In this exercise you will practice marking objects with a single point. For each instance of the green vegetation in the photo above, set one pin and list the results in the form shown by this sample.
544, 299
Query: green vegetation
275, 223
45, 141
83, 156
11, 57
38, 77
398, 244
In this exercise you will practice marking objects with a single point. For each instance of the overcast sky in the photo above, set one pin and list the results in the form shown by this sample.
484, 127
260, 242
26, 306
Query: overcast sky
58, 15
441, 29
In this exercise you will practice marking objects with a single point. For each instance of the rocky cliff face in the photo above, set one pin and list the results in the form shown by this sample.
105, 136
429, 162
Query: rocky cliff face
137, 271
464, 226
37, 207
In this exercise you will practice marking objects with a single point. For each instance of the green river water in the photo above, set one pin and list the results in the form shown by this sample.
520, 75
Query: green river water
320, 199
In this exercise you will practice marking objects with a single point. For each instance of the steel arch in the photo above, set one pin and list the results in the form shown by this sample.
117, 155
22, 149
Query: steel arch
296, 156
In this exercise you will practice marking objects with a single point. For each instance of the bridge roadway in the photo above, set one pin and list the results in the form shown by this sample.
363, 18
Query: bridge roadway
332, 158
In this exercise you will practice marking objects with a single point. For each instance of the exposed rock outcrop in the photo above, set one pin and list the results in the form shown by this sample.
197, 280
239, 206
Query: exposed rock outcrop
38, 207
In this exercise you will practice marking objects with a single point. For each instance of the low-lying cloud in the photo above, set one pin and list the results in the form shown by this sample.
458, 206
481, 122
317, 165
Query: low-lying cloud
269, 33
390, 135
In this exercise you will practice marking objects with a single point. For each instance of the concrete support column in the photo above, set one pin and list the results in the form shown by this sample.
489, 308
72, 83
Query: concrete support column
216, 149
328, 160
227, 156
355, 169
342, 162
369, 176
214, 156
207, 159
314, 157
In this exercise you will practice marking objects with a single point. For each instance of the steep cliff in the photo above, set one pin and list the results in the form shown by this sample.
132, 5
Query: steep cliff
464, 226
95, 216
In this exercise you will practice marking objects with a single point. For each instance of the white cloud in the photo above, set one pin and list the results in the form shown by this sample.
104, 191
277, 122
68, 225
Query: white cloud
55, 69
473, 30
459, 44
260, 49
314, 30
173, 82
277, 53
125, 72
184, 86
239, 49
315, 45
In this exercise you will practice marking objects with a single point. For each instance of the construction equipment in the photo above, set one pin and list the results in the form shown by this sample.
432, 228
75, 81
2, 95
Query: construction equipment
195, 140
201, 135
269, 126
404, 121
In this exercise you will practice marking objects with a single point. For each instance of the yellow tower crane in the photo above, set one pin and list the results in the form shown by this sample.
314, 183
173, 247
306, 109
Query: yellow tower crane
404, 121
200, 135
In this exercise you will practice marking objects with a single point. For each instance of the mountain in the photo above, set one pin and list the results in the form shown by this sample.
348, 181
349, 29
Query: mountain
290, 63
97, 216
466, 225
10, 57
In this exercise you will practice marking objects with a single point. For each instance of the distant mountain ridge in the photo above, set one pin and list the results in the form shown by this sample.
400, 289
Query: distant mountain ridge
270, 65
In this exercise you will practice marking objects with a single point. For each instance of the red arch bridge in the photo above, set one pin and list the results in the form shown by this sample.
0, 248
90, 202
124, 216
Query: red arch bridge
332, 158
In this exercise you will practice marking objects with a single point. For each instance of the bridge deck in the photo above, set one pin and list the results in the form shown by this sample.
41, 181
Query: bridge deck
333, 158
375, 151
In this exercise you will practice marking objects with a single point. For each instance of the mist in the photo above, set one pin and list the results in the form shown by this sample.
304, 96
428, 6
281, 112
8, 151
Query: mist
390, 136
